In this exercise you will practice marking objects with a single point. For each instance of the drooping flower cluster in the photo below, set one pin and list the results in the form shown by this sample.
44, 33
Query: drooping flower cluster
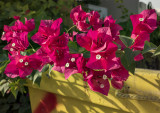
143, 24
17, 41
23, 65
16, 36
97, 36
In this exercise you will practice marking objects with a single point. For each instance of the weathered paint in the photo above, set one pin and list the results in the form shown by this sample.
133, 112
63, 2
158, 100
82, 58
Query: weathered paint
47, 104
141, 94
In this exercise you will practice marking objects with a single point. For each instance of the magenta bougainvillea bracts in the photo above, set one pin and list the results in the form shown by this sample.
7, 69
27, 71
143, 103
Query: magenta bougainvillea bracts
23, 65
97, 37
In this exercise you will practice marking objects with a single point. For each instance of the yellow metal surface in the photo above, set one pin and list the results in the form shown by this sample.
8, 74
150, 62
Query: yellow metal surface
140, 95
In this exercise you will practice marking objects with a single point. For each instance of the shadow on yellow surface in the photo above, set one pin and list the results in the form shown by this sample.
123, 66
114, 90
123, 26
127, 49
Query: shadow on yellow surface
140, 95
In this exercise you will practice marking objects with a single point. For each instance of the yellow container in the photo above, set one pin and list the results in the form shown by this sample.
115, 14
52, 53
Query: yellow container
141, 94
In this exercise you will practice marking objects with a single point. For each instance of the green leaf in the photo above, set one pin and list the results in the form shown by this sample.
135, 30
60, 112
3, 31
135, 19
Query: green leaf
3, 66
29, 52
157, 52
14, 91
30, 77
50, 68
17, 85
3, 57
37, 78
135, 53
33, 73
45, 68
148, 46
86, 54
23, 53
127, 60
81, 50
128, 41
119, 53
119, 46
4, 86
73, 47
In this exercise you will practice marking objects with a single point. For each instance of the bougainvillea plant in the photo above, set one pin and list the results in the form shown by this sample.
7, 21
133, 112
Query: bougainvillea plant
97, 50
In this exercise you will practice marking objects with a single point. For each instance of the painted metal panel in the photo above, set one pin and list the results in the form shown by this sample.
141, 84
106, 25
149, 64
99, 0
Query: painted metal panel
57, 95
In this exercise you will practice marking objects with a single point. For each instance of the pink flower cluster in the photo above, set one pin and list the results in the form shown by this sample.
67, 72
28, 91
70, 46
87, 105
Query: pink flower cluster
143, 24
16, 37
97, 36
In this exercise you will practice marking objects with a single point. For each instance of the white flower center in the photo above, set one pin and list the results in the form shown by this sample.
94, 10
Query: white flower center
13, 44
141, 19
11, 49
104, 77
67, 64
21, 60
73, 59
98, 57
102, 86
3, 33
26, 63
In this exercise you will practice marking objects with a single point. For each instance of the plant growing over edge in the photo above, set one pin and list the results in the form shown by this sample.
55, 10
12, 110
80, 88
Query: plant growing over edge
97, 50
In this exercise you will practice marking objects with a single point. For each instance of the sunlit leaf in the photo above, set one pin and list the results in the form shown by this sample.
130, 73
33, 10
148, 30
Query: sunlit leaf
148, 46
157, 52
4, 86
45, 68
127, 41
127, 60
37, 78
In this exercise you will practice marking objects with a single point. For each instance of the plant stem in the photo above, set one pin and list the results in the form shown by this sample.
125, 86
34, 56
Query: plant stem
135, 38
32, 47
70, 28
